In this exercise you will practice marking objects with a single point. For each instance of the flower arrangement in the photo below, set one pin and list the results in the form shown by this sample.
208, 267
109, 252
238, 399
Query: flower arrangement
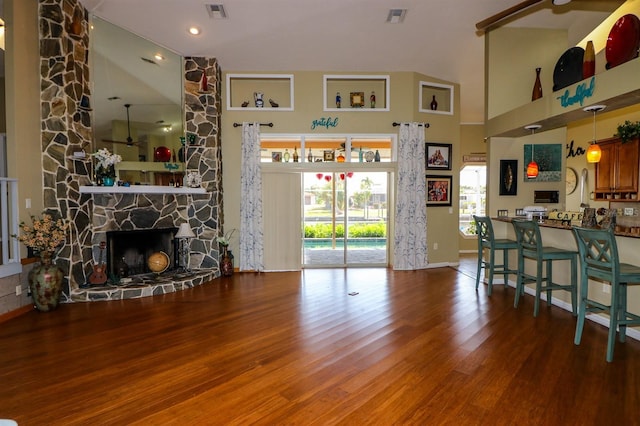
45, 234
105, 162
225, 239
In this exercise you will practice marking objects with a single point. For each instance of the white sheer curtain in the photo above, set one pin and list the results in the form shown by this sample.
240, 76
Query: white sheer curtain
410, 242
251, 224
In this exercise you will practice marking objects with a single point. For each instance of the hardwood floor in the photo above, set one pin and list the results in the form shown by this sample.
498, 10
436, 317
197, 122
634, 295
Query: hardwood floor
416, 347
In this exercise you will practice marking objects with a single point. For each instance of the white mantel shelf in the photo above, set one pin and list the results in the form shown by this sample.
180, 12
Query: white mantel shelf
140, 189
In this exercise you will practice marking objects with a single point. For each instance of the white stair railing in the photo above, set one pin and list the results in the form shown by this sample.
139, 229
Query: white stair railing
10, 264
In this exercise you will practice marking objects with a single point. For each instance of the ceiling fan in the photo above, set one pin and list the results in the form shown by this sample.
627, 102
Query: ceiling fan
129, 141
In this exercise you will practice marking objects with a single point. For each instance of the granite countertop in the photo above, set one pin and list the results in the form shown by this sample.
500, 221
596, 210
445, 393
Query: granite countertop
557, 224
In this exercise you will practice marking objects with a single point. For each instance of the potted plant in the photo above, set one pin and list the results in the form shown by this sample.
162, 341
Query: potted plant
628, 131
44, 236
105, 166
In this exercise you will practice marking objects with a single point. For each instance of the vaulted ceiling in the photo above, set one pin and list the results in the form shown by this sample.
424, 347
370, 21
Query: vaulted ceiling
437, 38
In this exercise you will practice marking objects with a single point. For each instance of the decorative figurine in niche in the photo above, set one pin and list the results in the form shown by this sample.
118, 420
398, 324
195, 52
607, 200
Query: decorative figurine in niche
434, 104
338, 100
273, 103
245, 104
372, 99
258, 97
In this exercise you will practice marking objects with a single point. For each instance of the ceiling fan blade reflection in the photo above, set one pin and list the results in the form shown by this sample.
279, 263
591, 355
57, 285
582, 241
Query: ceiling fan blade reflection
128, 143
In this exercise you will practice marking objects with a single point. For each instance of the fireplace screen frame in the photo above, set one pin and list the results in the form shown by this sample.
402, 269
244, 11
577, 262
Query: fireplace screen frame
141, 244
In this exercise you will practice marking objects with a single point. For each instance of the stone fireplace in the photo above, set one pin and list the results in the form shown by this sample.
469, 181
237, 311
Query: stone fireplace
95, 211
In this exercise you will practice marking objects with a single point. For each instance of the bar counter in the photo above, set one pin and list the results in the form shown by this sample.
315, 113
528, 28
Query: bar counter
619, 232
560, 235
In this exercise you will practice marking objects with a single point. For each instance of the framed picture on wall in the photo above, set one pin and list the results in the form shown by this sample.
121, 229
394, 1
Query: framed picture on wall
508, 177
438, 190
549, 158
437, 156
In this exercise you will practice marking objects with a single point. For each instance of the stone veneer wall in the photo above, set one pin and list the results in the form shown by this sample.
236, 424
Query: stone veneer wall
66, 128
204, 155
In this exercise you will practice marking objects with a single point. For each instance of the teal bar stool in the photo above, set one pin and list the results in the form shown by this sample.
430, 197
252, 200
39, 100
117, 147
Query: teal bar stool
530, 247
487, 240
599, 259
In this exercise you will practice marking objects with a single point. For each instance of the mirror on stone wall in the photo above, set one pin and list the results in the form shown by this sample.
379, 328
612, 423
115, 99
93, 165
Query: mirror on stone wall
133, 75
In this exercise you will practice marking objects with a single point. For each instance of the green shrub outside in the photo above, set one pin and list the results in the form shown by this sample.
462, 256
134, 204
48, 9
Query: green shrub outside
360, 230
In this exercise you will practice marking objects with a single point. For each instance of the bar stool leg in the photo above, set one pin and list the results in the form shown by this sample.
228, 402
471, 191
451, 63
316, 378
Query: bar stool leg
613, 321
574, 285
505, 262
582, 308
480, 260
519, 285
622, 308
549, 281
536, 306
492, 259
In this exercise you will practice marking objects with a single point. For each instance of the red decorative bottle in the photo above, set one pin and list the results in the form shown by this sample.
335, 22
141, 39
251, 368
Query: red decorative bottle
537, 86
589, 62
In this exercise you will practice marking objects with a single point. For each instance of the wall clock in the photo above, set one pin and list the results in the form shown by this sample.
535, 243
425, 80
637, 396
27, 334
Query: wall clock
571, 180
194, 180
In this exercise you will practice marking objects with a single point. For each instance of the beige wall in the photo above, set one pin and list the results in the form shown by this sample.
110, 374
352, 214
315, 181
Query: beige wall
22, 70
513, 54
442, 222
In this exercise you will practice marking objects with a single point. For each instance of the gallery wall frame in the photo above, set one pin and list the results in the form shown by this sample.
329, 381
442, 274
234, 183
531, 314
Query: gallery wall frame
437, 156
549, 158
508, 177
439, 190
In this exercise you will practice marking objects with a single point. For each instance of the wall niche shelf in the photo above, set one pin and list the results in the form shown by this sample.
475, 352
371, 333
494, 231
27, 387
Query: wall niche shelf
357, 88
443, 95
275, 87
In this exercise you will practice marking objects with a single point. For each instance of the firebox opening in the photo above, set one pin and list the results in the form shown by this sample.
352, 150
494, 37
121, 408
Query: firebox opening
135, 247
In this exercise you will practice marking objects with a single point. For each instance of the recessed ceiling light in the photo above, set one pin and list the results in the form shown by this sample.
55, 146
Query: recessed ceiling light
159, 56
194, 30
396, 16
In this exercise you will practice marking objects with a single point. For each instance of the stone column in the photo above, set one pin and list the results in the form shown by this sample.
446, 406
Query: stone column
66, 125
204, 156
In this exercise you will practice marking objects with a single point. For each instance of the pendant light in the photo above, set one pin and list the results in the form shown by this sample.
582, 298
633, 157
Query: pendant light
532, 167
594, 153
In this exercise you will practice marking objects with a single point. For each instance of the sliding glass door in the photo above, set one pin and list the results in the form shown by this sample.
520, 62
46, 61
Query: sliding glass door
345, 218
342, 215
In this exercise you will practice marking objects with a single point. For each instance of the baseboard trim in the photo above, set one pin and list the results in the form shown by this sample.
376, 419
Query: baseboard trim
15, 313
599, 319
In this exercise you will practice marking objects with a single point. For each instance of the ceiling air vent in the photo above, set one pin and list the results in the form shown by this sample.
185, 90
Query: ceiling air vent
216, 11
396, 16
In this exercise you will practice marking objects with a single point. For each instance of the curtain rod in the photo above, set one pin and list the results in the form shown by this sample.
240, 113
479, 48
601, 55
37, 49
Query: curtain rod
426, 125
251, 124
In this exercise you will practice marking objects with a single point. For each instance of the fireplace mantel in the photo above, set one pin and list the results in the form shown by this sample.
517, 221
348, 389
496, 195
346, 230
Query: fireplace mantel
140, 189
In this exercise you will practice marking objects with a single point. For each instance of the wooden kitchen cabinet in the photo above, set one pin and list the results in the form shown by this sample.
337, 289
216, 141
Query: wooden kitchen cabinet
617, 172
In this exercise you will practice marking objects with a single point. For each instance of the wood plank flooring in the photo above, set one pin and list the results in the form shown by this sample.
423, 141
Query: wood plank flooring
419, 347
